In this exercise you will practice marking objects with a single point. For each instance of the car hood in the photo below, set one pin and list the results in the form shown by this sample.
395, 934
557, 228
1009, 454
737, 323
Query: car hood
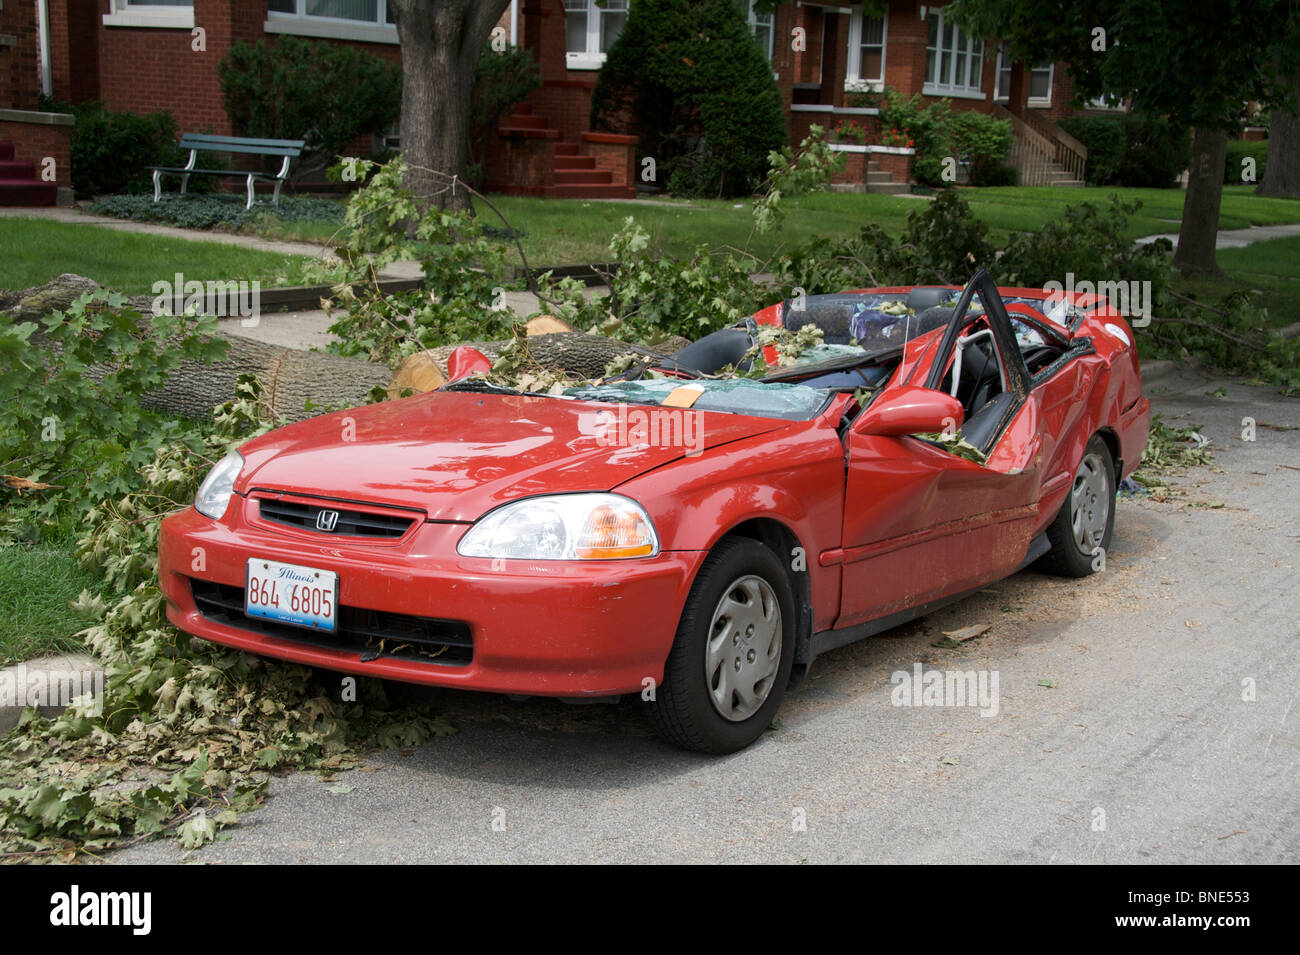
456, 455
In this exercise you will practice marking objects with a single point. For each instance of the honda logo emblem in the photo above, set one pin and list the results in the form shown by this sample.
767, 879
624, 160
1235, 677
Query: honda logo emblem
327, 520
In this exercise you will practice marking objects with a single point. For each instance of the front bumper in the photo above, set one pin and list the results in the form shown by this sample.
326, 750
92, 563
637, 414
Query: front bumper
537, 627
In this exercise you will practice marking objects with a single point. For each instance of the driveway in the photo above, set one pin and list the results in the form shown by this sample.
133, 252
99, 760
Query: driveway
1150, 713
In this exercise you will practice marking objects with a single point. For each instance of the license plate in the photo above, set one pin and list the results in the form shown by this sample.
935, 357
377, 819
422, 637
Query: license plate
292, 594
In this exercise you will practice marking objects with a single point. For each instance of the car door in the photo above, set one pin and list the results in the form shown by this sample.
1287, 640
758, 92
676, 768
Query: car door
921, 523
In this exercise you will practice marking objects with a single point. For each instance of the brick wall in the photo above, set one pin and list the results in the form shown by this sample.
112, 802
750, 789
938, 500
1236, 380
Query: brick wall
33, 142
19, 55
613, 154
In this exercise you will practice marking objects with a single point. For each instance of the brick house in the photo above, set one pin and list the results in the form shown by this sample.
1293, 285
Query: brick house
141, 55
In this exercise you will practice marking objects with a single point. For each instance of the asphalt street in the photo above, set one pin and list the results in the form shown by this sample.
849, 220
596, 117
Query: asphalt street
1149, 713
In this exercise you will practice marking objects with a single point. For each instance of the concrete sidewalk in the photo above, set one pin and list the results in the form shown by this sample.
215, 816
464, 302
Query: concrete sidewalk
1236, 238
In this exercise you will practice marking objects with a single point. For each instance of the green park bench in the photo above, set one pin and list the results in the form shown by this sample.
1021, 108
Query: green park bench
197, 143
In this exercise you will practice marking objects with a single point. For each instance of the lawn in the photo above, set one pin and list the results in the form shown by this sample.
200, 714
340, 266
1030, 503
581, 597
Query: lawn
573, 231
37, 584
33, 251
1271, 268
558, 231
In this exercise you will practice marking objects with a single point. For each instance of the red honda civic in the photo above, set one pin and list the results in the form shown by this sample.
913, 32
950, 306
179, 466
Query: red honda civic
691, 538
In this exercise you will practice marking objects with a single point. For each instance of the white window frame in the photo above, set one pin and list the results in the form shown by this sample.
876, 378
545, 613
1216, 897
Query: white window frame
771, 28
592, 58
963, 91
854, 82
166, 17
1001, 95
1051, 79
301, 23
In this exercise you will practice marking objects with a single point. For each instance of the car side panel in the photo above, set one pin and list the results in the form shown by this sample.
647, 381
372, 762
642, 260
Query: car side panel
794, 476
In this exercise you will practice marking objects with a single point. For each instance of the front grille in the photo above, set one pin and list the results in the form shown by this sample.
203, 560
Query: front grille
371, 633
351, 523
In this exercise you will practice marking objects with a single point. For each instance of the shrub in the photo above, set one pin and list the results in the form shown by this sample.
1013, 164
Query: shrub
985, 142
1155, 152
1240, 150
110, 150
925, 125
210, 212
1089, 241
995, 174
1104, 138
323, 93
944, 244
689, 79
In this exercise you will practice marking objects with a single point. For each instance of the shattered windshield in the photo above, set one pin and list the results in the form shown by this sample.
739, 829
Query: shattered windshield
732, 395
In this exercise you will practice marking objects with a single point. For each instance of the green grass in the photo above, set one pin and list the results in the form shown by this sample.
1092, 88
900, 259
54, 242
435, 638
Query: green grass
37, 584
564, 231
1270, 268
33, 251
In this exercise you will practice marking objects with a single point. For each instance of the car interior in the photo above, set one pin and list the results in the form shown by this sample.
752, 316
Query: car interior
975, 371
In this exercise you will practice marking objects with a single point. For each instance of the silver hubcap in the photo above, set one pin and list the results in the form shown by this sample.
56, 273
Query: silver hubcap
744, 648
1089, 504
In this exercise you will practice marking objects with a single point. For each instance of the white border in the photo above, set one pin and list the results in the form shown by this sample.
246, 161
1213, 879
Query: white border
140, 15
329, 28
853, 83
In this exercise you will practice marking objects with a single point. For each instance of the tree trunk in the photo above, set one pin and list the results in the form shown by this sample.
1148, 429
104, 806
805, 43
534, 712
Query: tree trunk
1282, 172
290, 378
441, 41
1199, 230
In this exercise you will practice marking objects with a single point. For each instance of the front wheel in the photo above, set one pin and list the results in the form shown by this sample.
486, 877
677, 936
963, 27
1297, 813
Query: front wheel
731, 660
1081, 532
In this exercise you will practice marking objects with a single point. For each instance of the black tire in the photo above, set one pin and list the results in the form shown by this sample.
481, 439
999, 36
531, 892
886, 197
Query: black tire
741, 580
1093, 487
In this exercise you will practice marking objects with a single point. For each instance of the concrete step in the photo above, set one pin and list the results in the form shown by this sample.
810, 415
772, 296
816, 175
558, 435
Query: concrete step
879, 176
6, 150
27, 192
12, 169
526, 121
566, 149
576, 177
574, 162
1068, 183
888, 189
528, 132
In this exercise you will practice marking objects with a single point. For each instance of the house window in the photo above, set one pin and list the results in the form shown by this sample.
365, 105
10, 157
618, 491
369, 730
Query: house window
762, 26
367, 20
954, 60
866, 66
1040, 82
590, 30
169, 14
362, 11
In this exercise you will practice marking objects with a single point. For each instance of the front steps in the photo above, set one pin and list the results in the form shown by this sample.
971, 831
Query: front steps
19, 184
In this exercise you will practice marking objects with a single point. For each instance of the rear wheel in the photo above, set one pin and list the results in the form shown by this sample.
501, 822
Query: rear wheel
1082, 530
731, 660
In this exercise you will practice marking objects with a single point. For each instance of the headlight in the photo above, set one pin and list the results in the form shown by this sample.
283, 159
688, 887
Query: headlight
564, 527
214, 492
